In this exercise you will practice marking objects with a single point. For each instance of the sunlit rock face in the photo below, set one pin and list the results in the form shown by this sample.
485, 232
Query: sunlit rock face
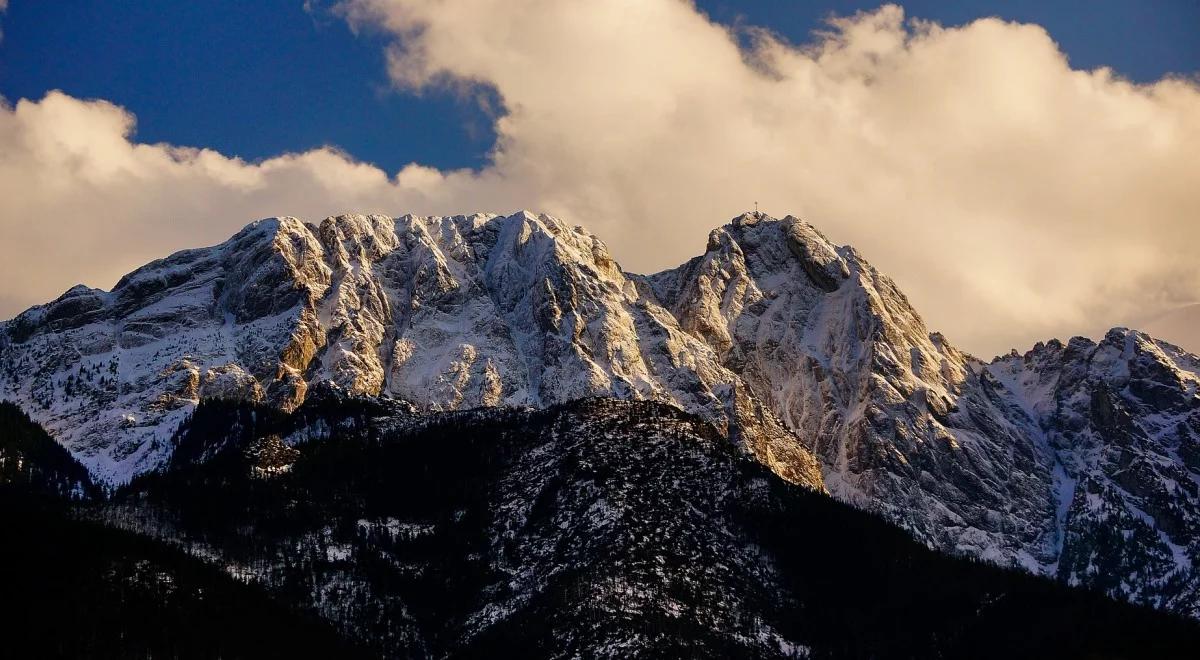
1076, 460
113, 374
897, 417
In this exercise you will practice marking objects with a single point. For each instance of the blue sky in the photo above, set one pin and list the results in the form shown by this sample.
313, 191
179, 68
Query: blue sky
255, 79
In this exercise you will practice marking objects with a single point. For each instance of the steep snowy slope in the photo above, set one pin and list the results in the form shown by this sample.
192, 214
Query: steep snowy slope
894, 413
112, 375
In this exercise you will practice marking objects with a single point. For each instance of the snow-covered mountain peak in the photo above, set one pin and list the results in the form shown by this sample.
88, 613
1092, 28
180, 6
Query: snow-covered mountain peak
444, 311
793, 346
774, 243
984, 459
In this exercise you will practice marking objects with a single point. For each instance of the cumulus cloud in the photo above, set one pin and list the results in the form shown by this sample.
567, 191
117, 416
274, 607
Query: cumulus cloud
80, 201
1012, 197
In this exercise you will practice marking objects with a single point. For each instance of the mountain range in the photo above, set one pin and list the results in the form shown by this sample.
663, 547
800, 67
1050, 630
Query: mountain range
1077, 461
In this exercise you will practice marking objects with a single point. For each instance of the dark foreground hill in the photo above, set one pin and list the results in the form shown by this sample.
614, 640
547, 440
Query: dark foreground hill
76, 589
596, 528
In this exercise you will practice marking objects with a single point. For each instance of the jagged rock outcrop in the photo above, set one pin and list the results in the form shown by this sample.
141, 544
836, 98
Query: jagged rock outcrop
112, 374
1122, 420
895, 414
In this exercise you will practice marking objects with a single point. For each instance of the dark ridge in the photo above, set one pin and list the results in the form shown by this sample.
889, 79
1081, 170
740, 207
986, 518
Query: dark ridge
220, 430
75, 589
31, 462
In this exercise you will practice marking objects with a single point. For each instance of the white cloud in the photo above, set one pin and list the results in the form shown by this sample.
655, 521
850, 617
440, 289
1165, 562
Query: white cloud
80, 201
1013, 197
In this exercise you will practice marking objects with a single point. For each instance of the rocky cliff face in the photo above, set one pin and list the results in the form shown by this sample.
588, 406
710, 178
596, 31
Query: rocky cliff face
895, 415
1078, 460
112, 374
1122, 420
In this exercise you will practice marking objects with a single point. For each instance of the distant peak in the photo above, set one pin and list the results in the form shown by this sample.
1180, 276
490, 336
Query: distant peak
1120, 333
79, 289
270, 226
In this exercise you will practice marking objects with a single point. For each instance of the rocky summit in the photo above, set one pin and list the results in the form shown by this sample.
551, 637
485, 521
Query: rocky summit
1077, 460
